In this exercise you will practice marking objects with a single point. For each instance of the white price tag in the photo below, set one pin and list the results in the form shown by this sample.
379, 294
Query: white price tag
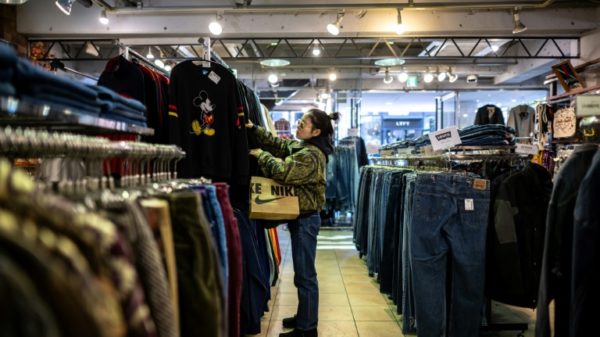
527, 149
445, 138
469, 205
214, 77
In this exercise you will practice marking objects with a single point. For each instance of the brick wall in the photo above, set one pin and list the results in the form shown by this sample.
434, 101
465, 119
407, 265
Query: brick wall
8, 28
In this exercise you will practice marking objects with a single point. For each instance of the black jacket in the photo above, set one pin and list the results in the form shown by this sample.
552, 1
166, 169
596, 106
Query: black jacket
556, 267
517, 236
483, 115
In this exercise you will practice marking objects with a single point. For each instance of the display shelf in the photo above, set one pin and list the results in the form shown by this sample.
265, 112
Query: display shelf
552, 99
17, 112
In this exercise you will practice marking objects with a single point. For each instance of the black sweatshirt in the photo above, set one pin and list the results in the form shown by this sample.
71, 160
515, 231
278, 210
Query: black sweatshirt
206, 119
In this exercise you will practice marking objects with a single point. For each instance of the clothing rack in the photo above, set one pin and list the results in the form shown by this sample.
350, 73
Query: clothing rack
443, 161
128, 53
141, 162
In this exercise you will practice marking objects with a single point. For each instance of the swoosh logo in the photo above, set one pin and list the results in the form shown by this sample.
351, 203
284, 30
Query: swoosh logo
260, 201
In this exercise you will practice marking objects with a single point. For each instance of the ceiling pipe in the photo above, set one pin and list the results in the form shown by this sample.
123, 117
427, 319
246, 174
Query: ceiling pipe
271, 9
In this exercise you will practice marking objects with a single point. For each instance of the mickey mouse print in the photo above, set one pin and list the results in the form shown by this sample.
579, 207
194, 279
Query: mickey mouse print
206, 119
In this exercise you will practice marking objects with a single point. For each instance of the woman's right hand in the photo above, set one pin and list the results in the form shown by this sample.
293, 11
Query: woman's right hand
249, 125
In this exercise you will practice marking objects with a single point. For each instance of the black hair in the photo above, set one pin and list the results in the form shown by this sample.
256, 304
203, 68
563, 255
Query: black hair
322, 121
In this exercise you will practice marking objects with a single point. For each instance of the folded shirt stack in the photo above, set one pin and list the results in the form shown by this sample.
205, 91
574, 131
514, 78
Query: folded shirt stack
21, 78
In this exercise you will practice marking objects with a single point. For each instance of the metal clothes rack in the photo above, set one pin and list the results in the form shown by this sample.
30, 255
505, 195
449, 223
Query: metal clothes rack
142, 163
18, 112
57, 64
442, 161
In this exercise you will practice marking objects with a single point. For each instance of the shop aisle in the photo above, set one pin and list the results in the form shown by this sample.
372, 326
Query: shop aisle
350, 302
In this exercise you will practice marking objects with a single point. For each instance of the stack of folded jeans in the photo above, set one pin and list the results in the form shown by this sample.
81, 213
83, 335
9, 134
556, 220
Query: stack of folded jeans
38, 86
8, 59
117, 107
487, 135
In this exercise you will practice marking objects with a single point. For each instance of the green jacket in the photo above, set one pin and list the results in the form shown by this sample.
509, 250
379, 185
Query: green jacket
291, 162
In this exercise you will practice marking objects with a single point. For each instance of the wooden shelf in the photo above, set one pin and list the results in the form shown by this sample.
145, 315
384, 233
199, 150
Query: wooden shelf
575, 92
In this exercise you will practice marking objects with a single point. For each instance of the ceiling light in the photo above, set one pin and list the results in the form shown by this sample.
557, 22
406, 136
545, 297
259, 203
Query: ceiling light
12, 2
428, 77
103, 18
150, 56
215, 27
324, 95
316, 50
452, 77
519, 26
65, 6
275, 63
272, 78
390, 62
334, 28
495, 48
403, 77
441, 77
168, 67
332, 76
91, 50
399, 25
387, 78
159, 63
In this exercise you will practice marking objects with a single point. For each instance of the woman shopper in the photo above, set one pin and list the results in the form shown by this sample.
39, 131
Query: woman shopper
301, 164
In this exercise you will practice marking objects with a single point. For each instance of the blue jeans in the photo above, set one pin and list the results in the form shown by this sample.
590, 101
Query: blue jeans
449, 224
408, 299
304, 232
220, 231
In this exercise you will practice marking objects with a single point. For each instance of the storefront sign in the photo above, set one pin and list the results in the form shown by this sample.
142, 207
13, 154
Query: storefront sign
445, 138
390, 123
588, 106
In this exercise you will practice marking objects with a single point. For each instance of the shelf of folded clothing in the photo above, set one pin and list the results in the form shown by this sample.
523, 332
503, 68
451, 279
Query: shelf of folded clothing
22, 113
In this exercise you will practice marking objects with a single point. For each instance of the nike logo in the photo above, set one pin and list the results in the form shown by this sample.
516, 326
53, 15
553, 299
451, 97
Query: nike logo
260, 201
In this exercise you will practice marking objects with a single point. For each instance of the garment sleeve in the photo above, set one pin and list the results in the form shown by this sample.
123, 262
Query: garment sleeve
478, 118
500, 116
172, 121
239, 152
278, 147
512, 122
297, 169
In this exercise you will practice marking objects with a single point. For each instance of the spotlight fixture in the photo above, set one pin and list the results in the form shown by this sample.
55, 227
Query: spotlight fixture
387, 78
403, 76
65, 6
452, 77
275, 63
159, 63
150, 56
272, 78
103, 18
215, 27
441, 77
519, 26
332, 76
334, 28
428, 77
399, 25
168, 67
495, 48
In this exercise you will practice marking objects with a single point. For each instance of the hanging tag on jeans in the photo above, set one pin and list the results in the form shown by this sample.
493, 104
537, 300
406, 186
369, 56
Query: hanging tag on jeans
469, 205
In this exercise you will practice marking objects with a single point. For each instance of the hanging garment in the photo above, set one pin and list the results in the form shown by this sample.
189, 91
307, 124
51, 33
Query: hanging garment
489, 114
521, 118
206, 119
515, 250
555, 280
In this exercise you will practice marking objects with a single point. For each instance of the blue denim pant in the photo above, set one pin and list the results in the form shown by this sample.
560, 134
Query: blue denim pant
303, 233
408, 299
449, 224
219, 231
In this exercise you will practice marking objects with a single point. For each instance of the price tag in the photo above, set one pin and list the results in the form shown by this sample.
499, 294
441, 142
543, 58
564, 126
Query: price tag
527, 149
469, 205
445, 138
214, 77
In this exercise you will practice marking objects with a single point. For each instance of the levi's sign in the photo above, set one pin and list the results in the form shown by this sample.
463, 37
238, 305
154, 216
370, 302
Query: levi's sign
445, 138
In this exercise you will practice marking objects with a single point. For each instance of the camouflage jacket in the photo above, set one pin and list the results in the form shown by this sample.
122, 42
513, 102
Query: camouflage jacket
291, 162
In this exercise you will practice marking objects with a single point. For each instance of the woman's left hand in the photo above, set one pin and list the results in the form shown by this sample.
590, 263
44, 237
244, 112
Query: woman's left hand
256, 152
